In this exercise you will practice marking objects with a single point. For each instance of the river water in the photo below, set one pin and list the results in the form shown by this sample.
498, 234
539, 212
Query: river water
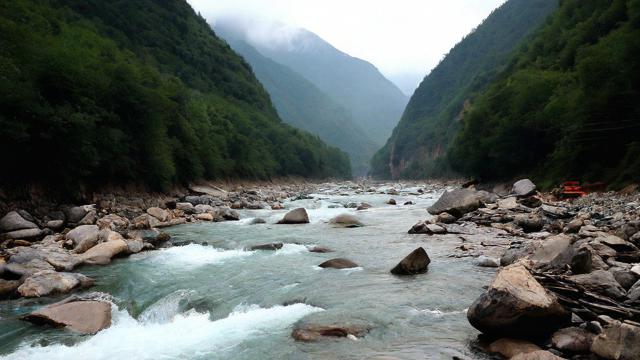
214, 300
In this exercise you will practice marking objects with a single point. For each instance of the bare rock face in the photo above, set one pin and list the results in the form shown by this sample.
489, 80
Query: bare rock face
338, 263
457, 202
415, 263
49, 282
85, 317
346, 220
511, 347
517, 305
83, 237
618, 341
295, 216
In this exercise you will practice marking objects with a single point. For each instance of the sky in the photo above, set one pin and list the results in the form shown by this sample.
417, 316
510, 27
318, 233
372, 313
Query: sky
404, 39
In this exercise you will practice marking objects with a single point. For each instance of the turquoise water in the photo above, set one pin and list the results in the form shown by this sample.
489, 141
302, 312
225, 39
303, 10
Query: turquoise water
218, 301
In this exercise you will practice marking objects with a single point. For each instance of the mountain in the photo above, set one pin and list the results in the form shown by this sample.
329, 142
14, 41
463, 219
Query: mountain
567, 107
374, 102
301, 104
417, 147
137, 91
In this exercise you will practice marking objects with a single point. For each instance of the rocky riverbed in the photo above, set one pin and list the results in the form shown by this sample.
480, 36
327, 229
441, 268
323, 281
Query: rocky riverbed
567, 282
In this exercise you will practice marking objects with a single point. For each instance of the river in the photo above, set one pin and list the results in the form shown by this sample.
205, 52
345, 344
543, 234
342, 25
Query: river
214, 300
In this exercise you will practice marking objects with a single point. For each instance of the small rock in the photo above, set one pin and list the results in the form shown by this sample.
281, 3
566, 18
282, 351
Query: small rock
509, 203
8, 288
446, 218
296, 216
618, 341
529, 223
338, 263
416, 262
256, 221
55, 224
320, 249
573, 226
314, 332
187, 207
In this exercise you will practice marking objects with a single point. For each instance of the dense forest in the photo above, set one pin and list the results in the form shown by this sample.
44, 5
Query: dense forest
567, 107
419, 143
301, 104
99, 92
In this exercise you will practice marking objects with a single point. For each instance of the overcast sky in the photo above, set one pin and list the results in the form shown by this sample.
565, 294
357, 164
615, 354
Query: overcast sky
404, 39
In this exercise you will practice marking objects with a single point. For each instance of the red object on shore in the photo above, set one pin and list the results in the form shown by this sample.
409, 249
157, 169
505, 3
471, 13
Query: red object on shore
572, 189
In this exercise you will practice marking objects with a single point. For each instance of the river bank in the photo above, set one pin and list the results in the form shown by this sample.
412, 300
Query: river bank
213, 241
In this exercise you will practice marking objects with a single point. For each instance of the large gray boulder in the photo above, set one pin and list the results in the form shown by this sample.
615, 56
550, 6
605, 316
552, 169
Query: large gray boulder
49, 282
524, 187
517, 305
457, 202
85, 317
295, 216
618, 341
83, 237
416, 262
13, 221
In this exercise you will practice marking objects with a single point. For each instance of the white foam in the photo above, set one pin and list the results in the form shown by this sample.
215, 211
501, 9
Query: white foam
439, 313
187, 335
194, 255
292, 249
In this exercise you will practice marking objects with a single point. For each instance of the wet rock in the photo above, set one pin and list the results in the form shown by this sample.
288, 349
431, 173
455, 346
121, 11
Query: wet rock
158, 213
295, 216
446, 218
618, 341
600, 281
409, 203
102, 253
49, 282
272, 247
572, 340
8, 288
416, 262
524, 187
315, 332
338, 263
85, 317
256, 221
320, 249
277, 206
134, 246
13, 221
511, 347
486, 261
537, 355
346, 220
517, 305
364, 206
391, 202
457, 202
83, 237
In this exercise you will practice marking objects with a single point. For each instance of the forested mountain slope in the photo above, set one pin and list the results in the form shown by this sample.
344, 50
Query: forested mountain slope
568, 106
301, 104
136, 91
431, 119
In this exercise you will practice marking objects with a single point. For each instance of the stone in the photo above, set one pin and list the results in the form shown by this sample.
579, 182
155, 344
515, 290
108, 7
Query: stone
311, 333
158, 213
515, 304
523, 188
551, 249
76, 213
102, 253
529, 223
616, 243
572, 340
363, 206
229, 214
203, 208
85, 317
416, 262
8, 288
624, 277
55, 224
295, 216
24, 234
391, 202
256, 221
600, 281
486, 261
338, 263
89, 219
537, 355
320, 249
435, 229
446, 218
27, 268
49, 282
187, 207
582, 261
113, 222
346, 220
456, 202
636, 269
134, 246
277, 206
573, 226
634, 292
12, 221
555, 212
486, 197
209, 190
272, 247
83, 237
511, 347
618, 341
204, 217
531, 202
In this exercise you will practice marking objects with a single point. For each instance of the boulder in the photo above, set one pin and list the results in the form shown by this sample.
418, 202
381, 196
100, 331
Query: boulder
158, 213
83, 237
272, 247
113, 222
187, 207
551, 250
229, 214
523, 188
49, 282
457, 202
416, 262
572, 340
392, 202
204, 217
8, 288
517, 305
600, 281
13, 221
485, 261
320, 249
76, 213
446, 218
509, 203
256, 221
89, 219
295, 216
537, 355
85, 317
511, 347
24, 234
55, 224
203, 208
27, 268
338, 263
134, 246
618, 341
364, 206
573, 226
529, 223
315, 332
616, 243
102, 253
346, 220
634, 292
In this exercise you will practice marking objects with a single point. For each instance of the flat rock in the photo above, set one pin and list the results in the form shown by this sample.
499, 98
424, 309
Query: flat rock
24, 234
204, 217
511, 347
509, 203
572, 340
516, 305
28, 268
12, 221
85, 317
456, 202
416, 262
338, 263
49, 282
295, 216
